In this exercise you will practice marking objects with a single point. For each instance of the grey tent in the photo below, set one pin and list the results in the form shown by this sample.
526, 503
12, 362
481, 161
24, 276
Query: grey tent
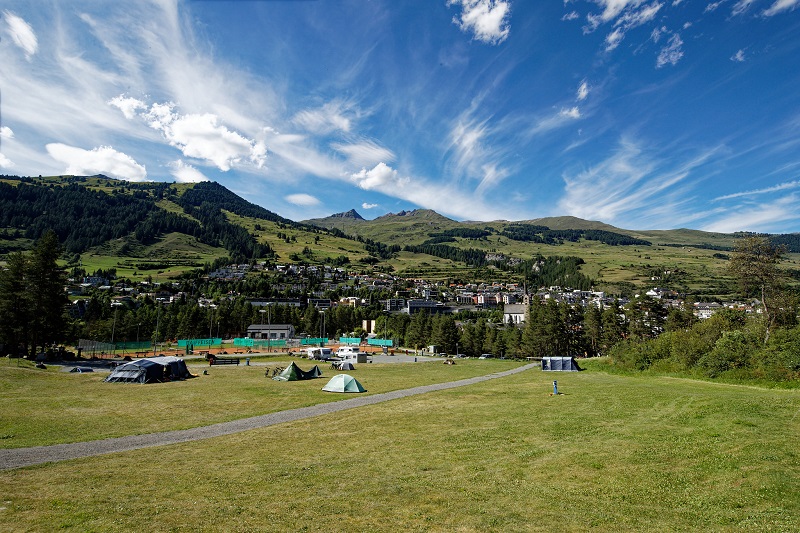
148, 370
345, 365
294, 373
560, 364
343, 383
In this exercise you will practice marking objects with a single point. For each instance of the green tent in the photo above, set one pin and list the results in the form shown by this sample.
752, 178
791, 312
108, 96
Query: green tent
343, 383
294, 373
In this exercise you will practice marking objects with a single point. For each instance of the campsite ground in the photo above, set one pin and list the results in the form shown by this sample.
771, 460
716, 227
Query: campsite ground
610, 453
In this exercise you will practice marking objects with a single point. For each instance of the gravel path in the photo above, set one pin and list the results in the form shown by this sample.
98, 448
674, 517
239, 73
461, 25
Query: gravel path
20, 457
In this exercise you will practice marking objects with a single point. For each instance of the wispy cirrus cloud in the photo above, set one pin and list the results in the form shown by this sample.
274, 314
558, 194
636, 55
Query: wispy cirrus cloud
487, 20
473, 154
671, 53
631, 185
756, 192
767, 216
781, 6
21, 34
332, 116
364, 153
583, 91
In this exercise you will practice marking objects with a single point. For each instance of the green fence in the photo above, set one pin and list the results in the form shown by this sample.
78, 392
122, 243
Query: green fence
134, 346
380, 342
183, 343
349, 340
268, 343
311, 341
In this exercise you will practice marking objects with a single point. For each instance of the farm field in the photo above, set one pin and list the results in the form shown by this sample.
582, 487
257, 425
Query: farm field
610, 453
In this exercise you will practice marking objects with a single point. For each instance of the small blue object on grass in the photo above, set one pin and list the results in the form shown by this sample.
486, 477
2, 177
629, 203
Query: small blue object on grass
555, 387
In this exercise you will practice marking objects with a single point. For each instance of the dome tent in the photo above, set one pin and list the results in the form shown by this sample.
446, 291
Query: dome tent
343, 383
161, 368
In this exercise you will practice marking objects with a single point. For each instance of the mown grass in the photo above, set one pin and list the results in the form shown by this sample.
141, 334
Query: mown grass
43, 407
612, 453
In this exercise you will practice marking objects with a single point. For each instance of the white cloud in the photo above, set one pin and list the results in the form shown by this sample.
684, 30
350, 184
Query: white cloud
765, 217
332, 116
475, 154
572, 15
630, 14
712, 6
738, 56
5, 162
775, 188
445, 198
302, 199
185, 173
572, 112
128, 106
780, 6
381, 178
6, 133
560, 119
631, 186
101, 160
583, 91
365, 205
202, 137
614, 38
364, 154
672, 53
486, 19
22, 34
741, 6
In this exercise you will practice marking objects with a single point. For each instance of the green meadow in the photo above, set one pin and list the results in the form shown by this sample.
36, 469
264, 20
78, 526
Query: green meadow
611, 453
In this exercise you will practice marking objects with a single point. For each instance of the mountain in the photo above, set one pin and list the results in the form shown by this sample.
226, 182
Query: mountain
164, 229
168, 228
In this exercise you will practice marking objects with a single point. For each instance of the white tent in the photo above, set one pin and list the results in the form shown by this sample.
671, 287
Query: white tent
343, 383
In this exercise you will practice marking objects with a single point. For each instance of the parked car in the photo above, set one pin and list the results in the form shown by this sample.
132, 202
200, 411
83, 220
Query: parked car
485, 356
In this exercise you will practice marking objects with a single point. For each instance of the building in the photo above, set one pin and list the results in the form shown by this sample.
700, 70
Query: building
270, 331
514, 313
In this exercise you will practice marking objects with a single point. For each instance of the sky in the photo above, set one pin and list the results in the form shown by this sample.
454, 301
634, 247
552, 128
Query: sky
643, 114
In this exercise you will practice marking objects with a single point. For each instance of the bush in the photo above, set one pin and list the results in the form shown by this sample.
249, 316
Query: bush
780, 359
734, 350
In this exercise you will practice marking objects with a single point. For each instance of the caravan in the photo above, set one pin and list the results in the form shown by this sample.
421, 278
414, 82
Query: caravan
351, 354
320, 354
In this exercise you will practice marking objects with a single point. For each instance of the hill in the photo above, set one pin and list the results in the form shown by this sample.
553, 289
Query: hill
164, 229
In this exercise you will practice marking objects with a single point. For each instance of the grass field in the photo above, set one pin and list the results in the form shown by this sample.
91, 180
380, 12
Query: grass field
611, 453
53, 407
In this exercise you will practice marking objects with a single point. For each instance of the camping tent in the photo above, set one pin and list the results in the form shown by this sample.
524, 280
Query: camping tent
151, 369
343, 383
560, 364
345, 365
294, 373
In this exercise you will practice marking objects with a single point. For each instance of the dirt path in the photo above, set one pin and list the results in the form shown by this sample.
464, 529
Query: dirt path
21, 457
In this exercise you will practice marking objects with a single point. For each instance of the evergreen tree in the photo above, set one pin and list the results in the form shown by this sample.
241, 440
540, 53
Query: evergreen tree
45, 291
14, 305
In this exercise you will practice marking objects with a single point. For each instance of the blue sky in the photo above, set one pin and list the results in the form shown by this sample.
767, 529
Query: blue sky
642, 114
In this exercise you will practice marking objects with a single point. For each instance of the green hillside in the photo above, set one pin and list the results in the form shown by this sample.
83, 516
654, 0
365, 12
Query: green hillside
164, 229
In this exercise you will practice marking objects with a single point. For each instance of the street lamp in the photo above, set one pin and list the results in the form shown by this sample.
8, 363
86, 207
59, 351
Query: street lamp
322, 331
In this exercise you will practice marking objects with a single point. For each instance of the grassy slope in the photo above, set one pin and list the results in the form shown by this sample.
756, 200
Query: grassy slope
612, 453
